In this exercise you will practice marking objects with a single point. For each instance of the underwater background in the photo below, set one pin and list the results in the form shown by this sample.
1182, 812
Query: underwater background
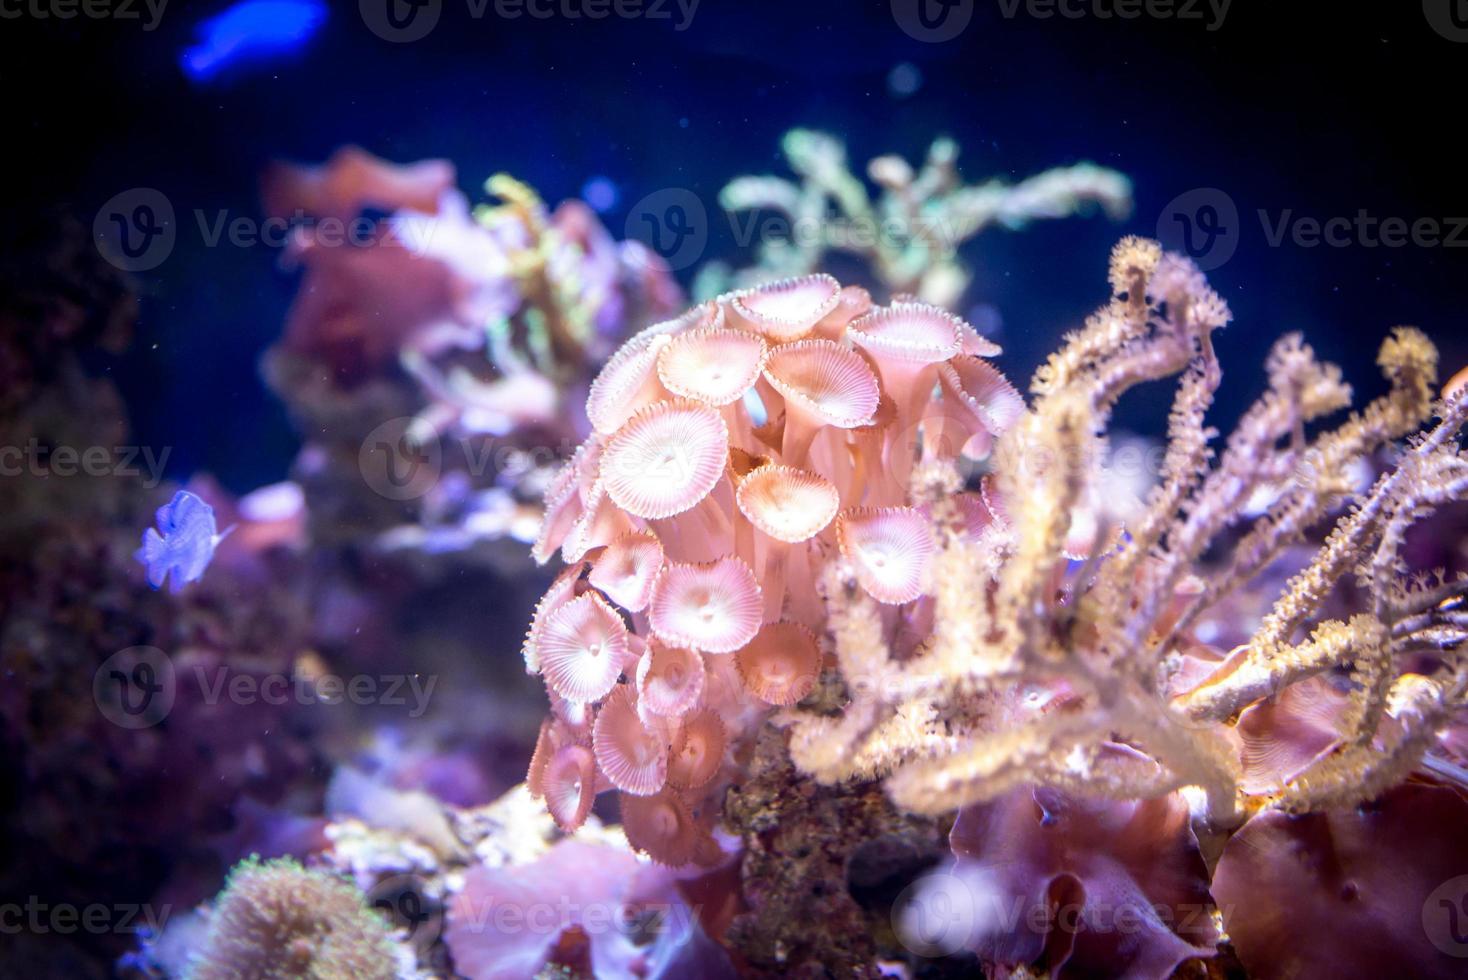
1311, 112
614, 647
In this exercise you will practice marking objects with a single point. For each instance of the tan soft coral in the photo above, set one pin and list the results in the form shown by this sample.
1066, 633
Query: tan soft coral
1035, 664
739, 449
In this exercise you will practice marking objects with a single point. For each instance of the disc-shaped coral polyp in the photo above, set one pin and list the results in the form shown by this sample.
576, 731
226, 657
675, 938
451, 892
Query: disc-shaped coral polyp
627, 569
600, 523
697, 751
574, 717
715, 366
669, 679
714, 607
780, 665
661, 826
582, 648
831, 382
979, 387
912, 332
789, 308
569, 786
563, 508
561, 591
975, 343
665, 459
891, 549
545, 748
629, 382
786, 503
632, 755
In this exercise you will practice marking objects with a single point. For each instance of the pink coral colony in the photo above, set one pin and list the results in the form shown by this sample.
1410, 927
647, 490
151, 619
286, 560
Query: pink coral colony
737, 448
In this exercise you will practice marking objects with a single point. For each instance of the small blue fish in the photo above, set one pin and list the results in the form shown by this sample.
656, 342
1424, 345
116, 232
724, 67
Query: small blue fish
251, 31
183, 542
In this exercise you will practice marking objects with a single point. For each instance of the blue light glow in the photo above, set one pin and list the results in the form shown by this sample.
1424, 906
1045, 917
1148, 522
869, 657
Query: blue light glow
251, 32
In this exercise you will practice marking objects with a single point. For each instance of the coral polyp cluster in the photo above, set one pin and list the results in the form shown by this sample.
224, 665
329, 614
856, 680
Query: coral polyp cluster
738, 449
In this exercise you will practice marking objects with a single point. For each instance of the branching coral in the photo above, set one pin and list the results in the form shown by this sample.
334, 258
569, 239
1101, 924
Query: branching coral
1036, 663
910, 235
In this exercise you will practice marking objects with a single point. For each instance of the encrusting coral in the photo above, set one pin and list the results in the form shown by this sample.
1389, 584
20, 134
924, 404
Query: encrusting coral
911, 234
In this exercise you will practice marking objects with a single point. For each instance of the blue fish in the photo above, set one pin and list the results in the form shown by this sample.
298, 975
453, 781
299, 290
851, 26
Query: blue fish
251, 31
182, 544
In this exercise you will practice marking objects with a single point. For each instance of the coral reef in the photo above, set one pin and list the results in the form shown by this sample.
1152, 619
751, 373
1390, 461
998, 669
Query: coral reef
910, 236
840, 518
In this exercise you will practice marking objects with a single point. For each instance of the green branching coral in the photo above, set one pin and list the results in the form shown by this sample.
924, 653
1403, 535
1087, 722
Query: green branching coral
910, 235
276, 920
